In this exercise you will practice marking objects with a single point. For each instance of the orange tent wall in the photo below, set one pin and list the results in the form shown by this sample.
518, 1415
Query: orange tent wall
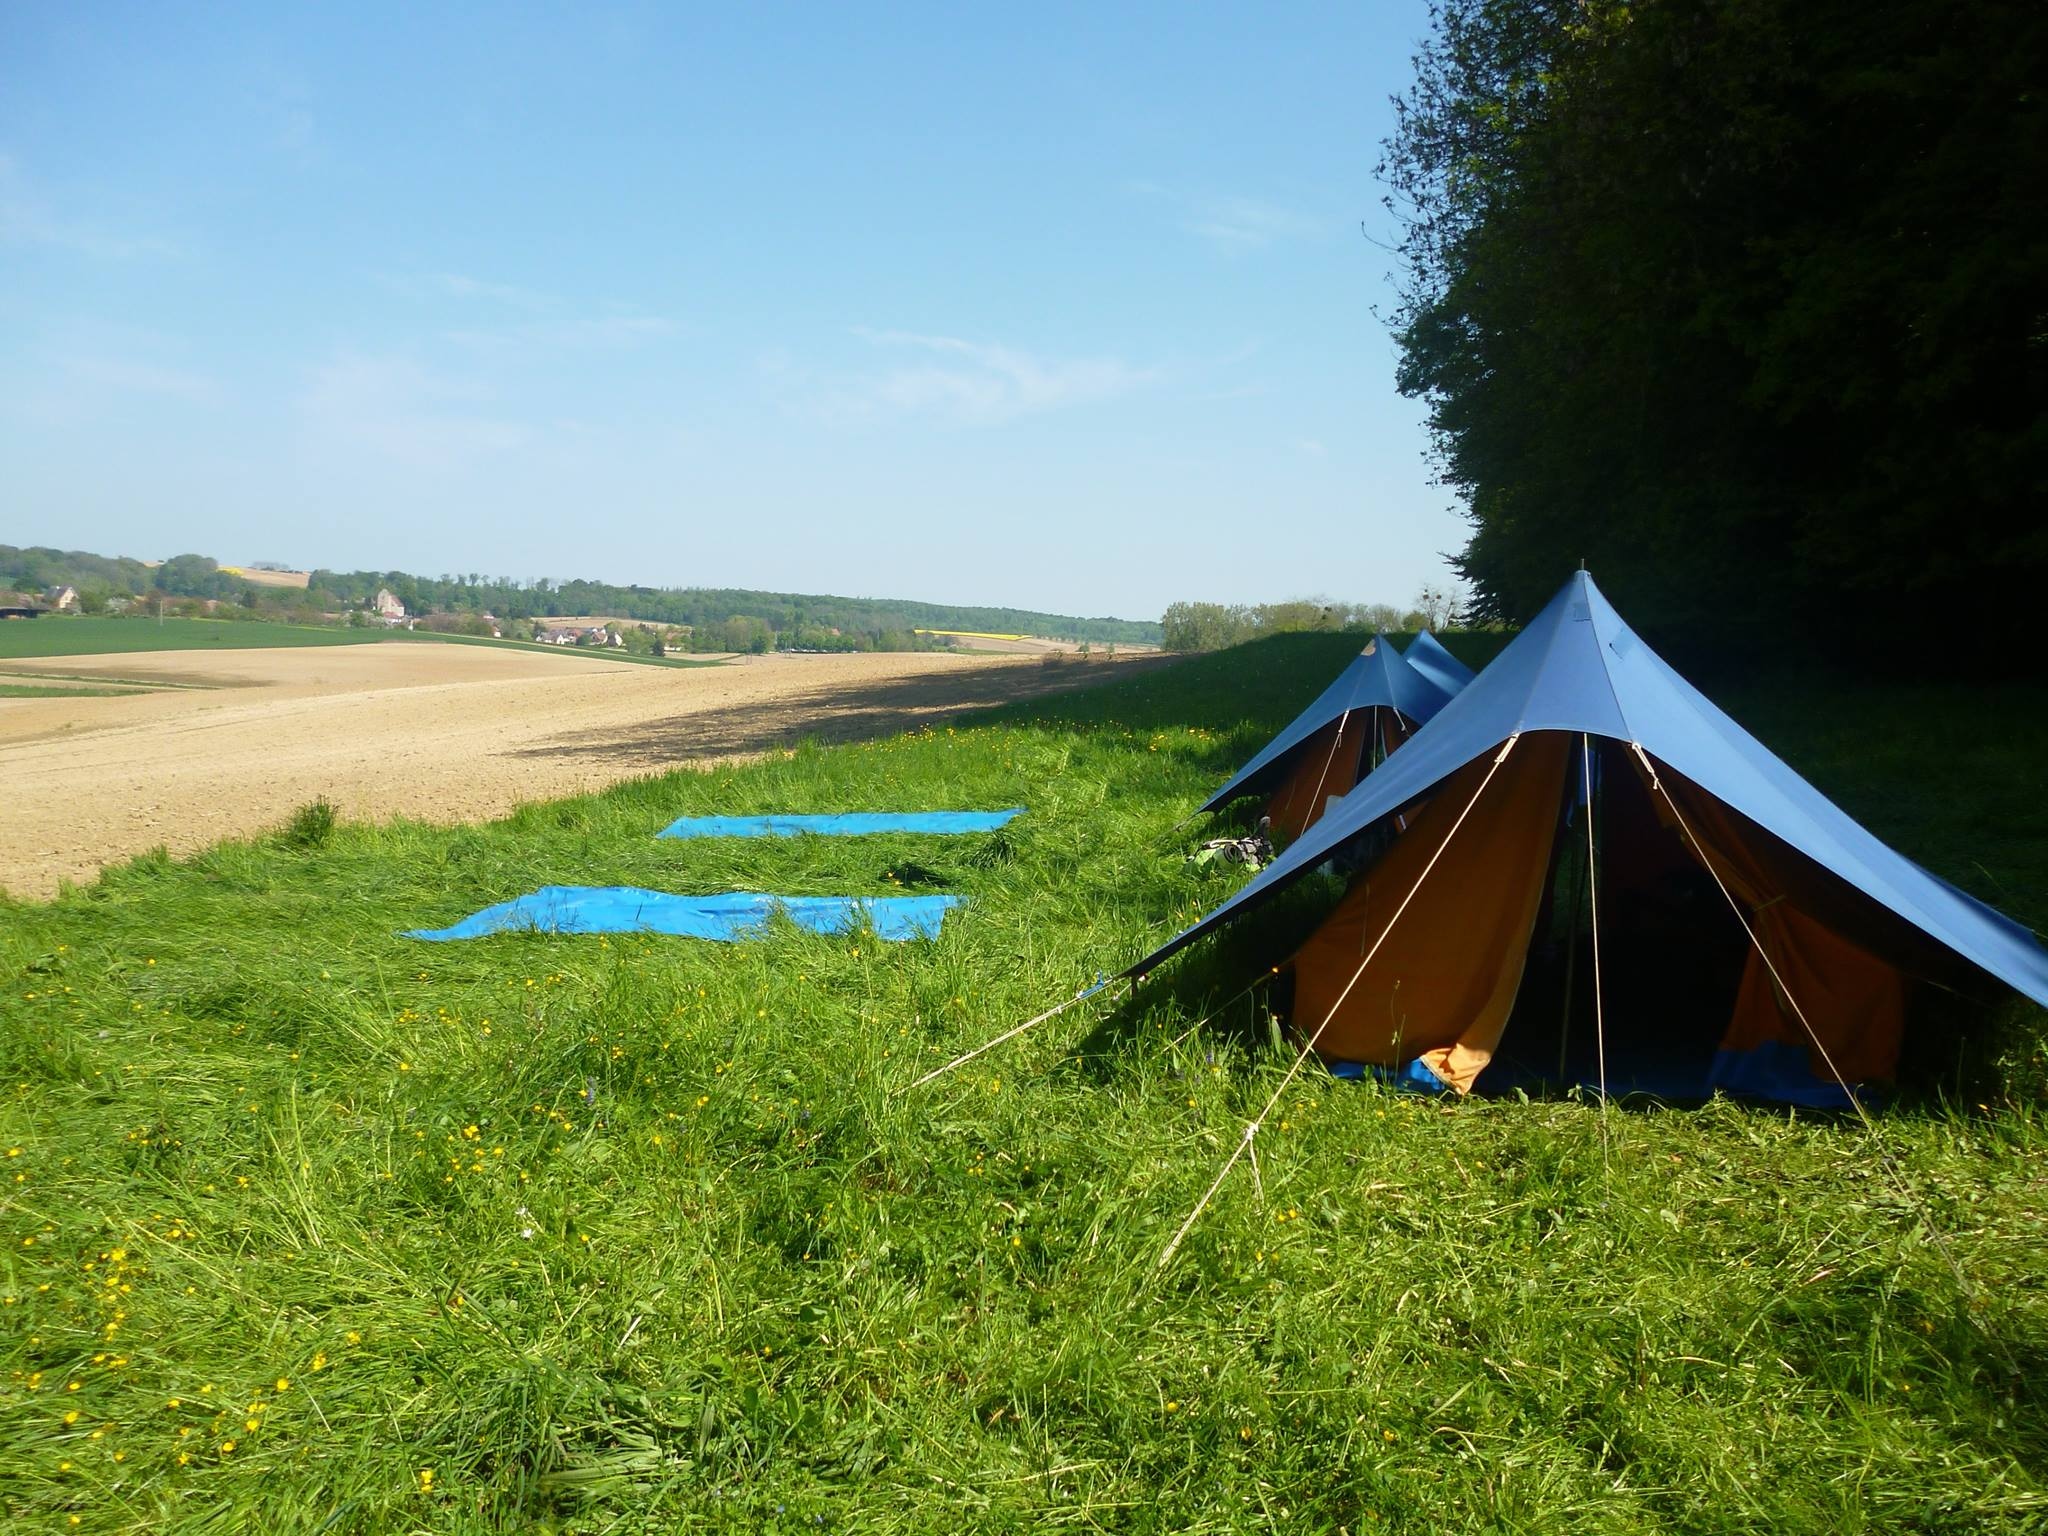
1442, 985
1395, 728
1854, 1003
1327, 766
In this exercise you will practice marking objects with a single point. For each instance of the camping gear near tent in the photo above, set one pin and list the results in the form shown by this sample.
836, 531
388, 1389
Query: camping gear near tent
849, 824
1744, 933
1427, 655
1373, 706
728, 917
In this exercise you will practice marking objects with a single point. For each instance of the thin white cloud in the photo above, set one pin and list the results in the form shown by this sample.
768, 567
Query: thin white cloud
1234, 225
277, 104
1312, 446
974, 383
1246, 223
397, 410
546, 319
590, 333
462, 286
140, 378
27, 220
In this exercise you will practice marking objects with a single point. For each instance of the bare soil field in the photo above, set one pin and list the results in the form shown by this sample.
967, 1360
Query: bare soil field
229, 743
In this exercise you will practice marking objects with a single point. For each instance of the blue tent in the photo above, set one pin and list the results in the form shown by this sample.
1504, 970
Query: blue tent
1426, 655
1726, 884
1371, 708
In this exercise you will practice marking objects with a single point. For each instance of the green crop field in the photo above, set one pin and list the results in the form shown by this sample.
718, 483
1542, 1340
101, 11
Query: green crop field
61, 691
310, 1227
67, 635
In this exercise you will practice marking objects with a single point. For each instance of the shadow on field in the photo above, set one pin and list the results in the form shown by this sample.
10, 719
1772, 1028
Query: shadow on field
852, 712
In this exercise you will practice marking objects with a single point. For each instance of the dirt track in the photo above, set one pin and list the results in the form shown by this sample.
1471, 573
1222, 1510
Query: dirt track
435, 732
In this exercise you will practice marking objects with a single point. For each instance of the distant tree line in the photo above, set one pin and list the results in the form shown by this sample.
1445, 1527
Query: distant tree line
717, 619
188, 583
796, 618
1744, 304
1190, 627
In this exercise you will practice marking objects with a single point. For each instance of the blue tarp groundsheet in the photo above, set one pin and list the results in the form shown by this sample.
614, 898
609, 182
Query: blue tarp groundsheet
852, 824
728, 917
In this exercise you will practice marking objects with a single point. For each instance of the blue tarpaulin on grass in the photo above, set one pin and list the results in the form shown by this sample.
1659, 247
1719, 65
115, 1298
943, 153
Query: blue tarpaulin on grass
851, 824
727, 917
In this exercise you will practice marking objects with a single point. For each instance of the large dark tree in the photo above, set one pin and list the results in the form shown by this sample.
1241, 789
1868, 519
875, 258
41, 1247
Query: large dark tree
1746, 303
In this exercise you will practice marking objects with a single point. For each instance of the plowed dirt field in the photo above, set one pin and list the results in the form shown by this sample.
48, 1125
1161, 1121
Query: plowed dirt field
229, 743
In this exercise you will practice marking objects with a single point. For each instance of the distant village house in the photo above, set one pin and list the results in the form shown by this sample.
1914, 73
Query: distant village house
596, 634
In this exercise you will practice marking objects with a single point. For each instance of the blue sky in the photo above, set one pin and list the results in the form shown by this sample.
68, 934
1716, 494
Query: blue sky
1062, 308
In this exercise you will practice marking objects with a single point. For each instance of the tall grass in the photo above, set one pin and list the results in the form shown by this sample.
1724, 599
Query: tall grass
309, 1227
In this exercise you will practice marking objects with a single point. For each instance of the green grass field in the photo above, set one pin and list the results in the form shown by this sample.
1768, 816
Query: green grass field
61, 691
308, 1227
66, 635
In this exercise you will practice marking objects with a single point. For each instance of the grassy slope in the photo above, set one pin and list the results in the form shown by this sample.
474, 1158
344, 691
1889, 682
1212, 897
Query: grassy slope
69, 636
634, 1235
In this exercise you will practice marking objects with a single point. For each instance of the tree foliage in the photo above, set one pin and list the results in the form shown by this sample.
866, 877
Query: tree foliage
1745, 303
1188, 627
